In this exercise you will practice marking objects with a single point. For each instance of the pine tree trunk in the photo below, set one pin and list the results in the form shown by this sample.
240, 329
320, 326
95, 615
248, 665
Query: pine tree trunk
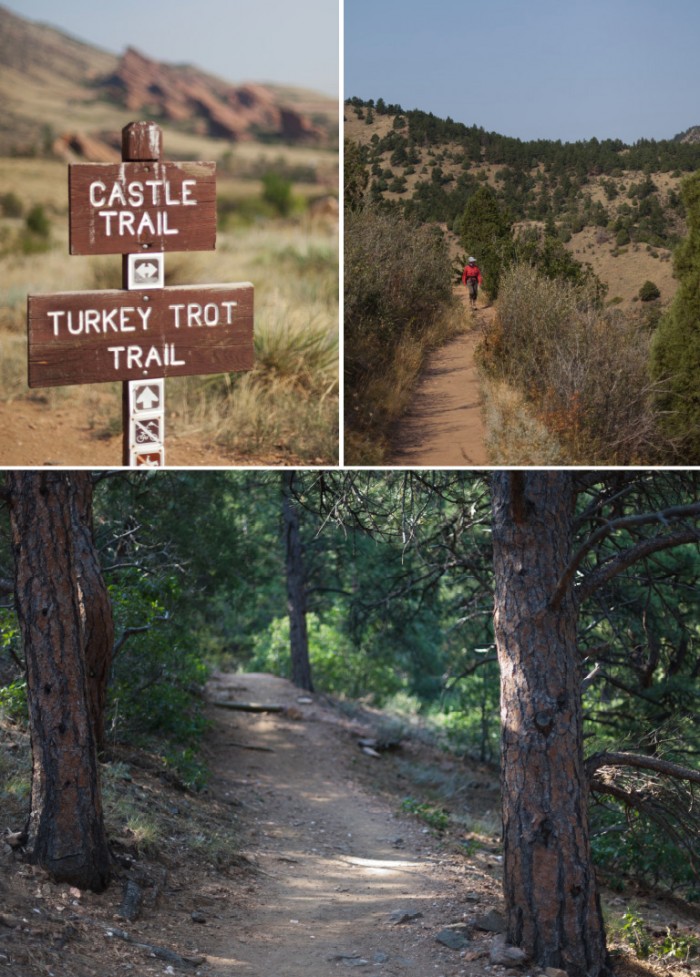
95, 612
553, 910
66, 833
296, 589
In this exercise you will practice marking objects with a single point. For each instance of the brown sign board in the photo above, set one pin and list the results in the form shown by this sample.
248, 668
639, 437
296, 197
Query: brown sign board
121, 334
125, 208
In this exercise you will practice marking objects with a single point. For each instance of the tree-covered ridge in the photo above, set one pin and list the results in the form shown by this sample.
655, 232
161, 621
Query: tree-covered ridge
431, 166
592, 155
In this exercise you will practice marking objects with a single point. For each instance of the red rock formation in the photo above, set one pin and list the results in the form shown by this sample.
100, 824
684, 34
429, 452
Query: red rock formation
179, 94
77, 146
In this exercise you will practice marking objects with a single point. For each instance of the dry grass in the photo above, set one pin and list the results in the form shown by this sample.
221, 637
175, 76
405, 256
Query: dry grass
514, 436
388, 395
289, 401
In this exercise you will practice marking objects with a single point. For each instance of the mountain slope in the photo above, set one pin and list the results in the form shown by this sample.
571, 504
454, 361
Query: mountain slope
51, 83
613, 206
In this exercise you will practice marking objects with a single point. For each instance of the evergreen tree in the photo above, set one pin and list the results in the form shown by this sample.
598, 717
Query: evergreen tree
356, 176
675, 358
486, 233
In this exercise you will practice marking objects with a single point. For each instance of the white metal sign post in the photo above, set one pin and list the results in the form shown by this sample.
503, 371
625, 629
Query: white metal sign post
143, 405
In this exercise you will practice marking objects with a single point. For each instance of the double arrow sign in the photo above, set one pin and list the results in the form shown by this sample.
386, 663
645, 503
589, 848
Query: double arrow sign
140, 208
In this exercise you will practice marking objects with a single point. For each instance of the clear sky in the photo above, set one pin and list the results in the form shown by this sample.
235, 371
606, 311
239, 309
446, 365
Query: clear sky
279, 41
552, 69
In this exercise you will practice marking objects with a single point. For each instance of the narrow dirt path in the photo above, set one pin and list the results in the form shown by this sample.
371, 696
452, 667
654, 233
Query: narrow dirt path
338, 867
444, 424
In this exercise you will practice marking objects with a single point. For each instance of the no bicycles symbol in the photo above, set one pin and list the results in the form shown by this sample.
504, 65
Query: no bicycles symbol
149, 431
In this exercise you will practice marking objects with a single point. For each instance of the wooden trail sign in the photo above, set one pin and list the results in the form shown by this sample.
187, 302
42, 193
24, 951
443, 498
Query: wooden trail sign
144, 332
116, 334
121, 208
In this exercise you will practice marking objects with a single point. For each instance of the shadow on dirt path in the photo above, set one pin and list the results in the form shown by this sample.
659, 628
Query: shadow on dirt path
337, 866
444, 424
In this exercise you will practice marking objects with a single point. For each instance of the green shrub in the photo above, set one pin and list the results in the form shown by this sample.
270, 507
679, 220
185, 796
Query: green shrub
277, 191
435, 817
11, 205
37, 221
675, 358
649, 291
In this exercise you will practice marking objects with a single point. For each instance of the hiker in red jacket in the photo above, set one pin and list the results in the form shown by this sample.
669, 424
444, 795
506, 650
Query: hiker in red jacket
471, 277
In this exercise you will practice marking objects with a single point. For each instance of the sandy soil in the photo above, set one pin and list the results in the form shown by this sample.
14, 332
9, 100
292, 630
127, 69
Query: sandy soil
444, 424
337, 860
32, 434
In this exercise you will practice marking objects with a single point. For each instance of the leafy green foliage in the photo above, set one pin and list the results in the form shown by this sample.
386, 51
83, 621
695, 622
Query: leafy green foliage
435, 817
13, 701
628, 844
547, 253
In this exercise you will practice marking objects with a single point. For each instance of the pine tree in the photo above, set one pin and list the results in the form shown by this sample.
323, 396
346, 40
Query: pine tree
675, 357
356, 176
486, 233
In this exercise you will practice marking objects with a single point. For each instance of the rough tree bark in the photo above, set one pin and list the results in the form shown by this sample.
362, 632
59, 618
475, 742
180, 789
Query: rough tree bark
552, 904
65, 830
95, 612
296, 588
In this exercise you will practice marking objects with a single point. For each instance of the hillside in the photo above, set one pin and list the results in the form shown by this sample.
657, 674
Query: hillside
615, 207
54, 86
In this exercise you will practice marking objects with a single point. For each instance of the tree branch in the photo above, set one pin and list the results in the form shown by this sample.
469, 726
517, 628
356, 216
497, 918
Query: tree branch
663, 516
642, 762
129, 632
628, 557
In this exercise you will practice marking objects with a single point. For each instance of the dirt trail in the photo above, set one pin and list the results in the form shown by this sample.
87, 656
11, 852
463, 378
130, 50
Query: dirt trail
33, 434
444, 425
335, 860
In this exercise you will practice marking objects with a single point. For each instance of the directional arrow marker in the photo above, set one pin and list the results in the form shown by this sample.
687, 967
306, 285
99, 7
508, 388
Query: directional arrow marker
147, 270
147, 399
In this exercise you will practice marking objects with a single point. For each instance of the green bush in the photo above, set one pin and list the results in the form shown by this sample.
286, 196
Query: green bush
338, 664
37, 221
675, 358
11, 205
277, 191
649, 291
485, 232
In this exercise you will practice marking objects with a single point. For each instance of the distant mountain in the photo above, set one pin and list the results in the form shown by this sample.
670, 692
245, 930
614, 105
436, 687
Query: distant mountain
56, 87
690, 135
